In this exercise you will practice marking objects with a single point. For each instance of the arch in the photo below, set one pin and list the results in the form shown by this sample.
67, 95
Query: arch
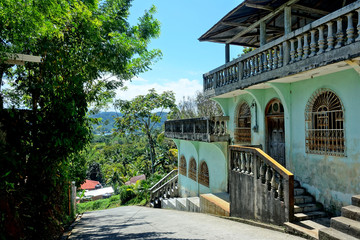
204, 174
324, 124
182, 166
242, 133
192, 170
275, 130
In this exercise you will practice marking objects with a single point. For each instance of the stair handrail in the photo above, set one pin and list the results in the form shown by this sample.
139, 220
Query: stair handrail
162, 186
285, 174
163, 180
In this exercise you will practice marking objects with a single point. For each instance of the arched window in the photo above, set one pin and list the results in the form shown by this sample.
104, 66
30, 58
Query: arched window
204, 174
192, 169
324, 124
243, 124
182, 166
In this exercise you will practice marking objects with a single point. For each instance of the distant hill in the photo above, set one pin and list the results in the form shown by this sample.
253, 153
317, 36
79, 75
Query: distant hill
108, 121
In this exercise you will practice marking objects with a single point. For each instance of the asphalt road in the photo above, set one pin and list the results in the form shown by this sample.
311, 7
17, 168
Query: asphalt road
148, 223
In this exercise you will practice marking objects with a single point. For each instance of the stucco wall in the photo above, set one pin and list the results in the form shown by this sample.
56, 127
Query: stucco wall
214, 154
332, 180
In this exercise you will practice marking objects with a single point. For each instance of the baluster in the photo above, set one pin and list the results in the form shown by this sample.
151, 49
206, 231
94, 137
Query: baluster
349, 29
262, 172
247, 163
265, 63
306, 46
339, 33
252, 67
244, 69
236, 161
256, 65
292, 50
270, 59
299, 49
321, 41
273, 183
312, 43
259, 59
242, 167
330, 37
268, 177
280, 62
358, 25
251, 162
247, 68
275, 63
281, 189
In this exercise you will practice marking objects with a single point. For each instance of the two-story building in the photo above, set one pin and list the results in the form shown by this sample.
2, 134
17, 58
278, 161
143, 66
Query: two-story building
289, 141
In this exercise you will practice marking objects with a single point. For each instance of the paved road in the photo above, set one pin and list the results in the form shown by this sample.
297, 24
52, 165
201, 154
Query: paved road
148, 223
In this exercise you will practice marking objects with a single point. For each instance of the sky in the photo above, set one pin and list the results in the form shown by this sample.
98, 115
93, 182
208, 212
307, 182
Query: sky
185, 59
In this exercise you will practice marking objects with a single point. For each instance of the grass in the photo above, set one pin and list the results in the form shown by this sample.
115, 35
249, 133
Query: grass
112, 202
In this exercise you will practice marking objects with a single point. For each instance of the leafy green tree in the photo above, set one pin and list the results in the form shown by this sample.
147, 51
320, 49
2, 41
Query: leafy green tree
81, 43
197, 106
141, 114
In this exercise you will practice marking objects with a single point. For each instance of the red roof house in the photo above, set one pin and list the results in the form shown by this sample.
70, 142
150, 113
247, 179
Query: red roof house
89, 184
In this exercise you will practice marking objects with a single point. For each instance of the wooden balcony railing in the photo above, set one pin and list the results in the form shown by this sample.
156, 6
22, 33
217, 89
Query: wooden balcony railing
198, 129
319, 43
260, 188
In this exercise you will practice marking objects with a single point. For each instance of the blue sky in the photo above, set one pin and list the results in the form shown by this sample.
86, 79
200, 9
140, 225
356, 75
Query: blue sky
185, 59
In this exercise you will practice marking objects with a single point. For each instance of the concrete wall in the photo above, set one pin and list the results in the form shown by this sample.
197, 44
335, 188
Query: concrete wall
214, 154
332, 180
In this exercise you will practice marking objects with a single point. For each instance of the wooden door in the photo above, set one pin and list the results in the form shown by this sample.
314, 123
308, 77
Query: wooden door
275, 131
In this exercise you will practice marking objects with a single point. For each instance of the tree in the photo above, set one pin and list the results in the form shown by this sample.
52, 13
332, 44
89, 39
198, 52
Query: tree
81, 43
139, 116
198, 106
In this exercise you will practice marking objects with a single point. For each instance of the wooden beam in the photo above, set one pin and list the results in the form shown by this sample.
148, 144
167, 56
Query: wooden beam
235, 24
20, 59
256, 24
309, 9
355, 64
258, 6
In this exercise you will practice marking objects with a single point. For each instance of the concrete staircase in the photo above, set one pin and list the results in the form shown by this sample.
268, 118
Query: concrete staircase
309, 215
211, 203
346, 227
190, 204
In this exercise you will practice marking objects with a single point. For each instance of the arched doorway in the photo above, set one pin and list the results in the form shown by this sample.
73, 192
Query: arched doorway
275, 131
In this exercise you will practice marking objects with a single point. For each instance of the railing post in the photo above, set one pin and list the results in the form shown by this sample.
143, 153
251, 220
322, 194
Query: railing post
312, 43
241, 70
330, 37
321, 41
339, 33
349, 29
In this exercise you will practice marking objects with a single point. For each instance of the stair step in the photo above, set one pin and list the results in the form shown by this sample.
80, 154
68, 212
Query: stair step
181, 204
308, 228
193, 204
309, 215
333, 234
299, 191
351, 211
303, 199
346, 225
355, 200
307, 207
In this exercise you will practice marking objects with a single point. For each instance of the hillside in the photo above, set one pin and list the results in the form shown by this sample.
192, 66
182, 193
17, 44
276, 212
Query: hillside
108, 121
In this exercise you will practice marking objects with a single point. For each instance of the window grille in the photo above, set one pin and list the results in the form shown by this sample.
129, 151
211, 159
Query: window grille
243, 124
192, 169
204, 174
324, 123
182, 166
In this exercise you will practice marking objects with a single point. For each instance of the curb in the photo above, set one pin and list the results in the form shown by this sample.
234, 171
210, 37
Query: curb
68, 231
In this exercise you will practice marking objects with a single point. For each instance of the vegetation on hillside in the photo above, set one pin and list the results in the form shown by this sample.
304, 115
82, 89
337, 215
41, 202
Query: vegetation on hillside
42, 146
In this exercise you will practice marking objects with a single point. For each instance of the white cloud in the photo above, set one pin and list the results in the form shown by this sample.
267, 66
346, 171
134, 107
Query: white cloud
139, 86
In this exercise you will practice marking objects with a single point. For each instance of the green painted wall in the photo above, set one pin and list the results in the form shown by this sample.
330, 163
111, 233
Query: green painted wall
214, 154
332, 180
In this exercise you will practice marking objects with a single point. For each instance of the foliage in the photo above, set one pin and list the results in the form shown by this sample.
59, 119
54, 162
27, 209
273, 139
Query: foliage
139, 117
198, 106
81, 43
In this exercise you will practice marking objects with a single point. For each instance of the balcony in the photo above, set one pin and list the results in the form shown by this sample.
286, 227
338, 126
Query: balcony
198, 129
326, 45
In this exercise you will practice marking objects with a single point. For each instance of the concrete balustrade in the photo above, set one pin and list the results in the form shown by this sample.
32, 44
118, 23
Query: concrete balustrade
325, 34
